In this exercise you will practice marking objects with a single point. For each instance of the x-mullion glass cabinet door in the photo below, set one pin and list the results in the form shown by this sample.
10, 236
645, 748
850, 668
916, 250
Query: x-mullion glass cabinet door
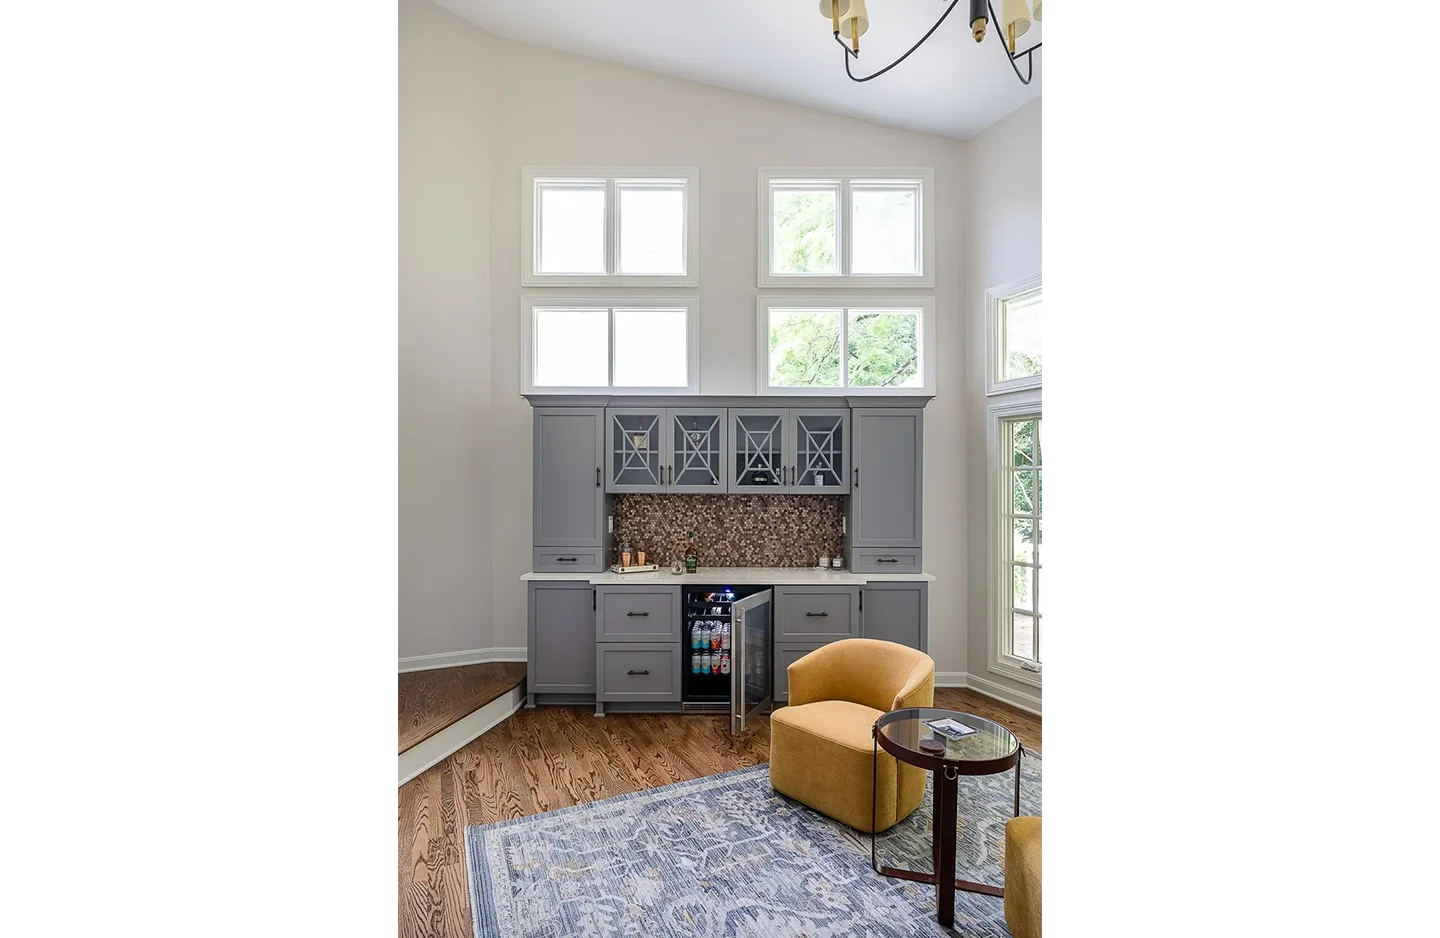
635, 450
819, 453
696, 446
758, 449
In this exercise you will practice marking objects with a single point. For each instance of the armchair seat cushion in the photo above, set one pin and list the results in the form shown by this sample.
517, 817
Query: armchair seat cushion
834, 721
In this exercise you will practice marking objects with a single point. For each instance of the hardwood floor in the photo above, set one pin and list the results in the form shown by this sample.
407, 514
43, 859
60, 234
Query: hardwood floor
552, 757
432, 700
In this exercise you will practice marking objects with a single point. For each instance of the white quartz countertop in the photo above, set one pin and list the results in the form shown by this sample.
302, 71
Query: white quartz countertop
736, 576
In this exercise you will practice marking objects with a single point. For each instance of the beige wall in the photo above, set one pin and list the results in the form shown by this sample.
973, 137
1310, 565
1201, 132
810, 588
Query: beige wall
1004, 245
445, 404
556, 108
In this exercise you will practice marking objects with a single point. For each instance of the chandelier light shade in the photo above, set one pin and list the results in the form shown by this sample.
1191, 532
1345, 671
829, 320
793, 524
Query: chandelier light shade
1014, 21
849, 19
856, 21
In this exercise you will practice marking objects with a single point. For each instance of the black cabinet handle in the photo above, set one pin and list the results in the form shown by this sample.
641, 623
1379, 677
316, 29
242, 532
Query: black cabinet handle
646, 671
857, 475
821, 614
567, 559
637, 613
597, 477
887, 560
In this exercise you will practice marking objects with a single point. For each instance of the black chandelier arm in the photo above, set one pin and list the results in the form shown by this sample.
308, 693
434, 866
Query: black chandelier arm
1029, 59
902, 58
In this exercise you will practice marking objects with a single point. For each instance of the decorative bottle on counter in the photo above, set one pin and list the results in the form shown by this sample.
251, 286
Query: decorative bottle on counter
692, 561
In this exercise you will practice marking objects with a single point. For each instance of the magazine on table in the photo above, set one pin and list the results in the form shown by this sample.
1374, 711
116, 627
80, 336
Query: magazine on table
950, 728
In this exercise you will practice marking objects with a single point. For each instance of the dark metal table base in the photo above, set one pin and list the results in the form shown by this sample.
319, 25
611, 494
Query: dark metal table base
944, 817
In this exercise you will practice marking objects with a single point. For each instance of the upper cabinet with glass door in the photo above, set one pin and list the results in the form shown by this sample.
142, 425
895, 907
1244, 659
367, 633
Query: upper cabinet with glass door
610, 226
758, 459
820, 452
666, 450
697, 449
847, 227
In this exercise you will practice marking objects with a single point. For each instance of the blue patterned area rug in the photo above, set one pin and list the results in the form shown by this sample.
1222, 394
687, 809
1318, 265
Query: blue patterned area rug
727, 857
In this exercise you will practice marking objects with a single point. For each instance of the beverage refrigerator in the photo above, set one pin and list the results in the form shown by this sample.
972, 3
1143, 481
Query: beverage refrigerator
727, 651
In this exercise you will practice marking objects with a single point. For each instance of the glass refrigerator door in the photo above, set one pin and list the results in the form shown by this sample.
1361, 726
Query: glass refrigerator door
750, 624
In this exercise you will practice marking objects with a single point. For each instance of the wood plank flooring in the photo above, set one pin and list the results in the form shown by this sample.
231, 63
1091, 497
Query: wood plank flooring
552, 757
432, 700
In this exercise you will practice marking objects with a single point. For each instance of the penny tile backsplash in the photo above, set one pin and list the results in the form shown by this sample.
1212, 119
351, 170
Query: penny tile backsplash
732, 530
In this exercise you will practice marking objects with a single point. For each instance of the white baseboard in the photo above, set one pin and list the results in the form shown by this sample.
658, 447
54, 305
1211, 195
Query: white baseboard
1027, 702
454, 659
1023, 701
423, 755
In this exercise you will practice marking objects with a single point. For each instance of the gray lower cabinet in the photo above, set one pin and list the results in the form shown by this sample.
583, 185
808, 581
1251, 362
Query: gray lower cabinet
636, 672
637, 614
886, 491
816, 613
561, 639
568, 495
786, 654
896, 612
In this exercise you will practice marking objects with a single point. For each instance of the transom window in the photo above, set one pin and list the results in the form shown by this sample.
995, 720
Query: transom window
819, 345
1013, 327
596, 226
639, 346
834, 227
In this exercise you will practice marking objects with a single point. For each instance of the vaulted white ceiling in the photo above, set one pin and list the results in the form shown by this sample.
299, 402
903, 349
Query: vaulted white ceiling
784, 49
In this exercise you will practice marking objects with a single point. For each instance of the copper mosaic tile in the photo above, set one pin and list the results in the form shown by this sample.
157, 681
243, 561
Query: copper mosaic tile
732, 530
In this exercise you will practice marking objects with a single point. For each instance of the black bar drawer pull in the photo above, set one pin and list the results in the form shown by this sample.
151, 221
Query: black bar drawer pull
637, 613
646, 671
887, 560
817, 614
567, 559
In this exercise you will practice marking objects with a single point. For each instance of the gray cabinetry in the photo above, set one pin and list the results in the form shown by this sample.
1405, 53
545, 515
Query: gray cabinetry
756, 459
819, 451
783, 449
678, 449
896, 612
886, 493
816, 613
637, 614
568, 496
637, 671
561, 639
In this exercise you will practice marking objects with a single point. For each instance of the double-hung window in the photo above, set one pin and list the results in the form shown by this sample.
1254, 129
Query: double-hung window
610, 226
843, 345
847, 228
633, 345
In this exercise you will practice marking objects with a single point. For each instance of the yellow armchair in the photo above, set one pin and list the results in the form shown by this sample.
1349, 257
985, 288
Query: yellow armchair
1022, 877
821, 750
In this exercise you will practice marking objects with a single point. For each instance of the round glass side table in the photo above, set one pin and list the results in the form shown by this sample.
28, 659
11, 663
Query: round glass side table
989, 750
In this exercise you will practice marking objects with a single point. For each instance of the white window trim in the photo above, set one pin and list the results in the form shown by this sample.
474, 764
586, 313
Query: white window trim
844, 177
926, 337
994, 300
691, 305
690, 175
999, 540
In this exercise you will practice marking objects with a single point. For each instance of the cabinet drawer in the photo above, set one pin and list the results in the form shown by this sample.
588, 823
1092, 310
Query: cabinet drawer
568, 559
637, 614
879, 560
816, 613
786, 654
638, 671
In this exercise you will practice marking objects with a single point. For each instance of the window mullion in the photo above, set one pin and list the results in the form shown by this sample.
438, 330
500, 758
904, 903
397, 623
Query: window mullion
610, 373
844, 347
612, 238
842, 227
